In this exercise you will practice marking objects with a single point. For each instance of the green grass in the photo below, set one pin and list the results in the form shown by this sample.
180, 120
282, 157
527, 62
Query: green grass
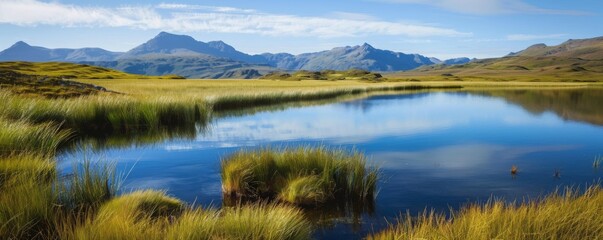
90, 184
19, 136
106, 114
71, 71
559, 216
300, 176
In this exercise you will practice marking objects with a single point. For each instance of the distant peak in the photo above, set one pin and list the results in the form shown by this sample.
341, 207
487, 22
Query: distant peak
171, 35
366, 45
539, 45
21, 44
161, 34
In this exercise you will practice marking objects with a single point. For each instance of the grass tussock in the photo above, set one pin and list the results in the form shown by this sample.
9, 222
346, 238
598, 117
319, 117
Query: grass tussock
138, 215
567, 215
89, 185
257, 221
301, 176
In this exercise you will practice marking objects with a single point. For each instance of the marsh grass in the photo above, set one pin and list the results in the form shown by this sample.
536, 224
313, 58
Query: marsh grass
300, 175
19, 137
26, 208
137, 215
597, 162
561, 215
230, 102
256, 221
106, 113
89, 185
29, 166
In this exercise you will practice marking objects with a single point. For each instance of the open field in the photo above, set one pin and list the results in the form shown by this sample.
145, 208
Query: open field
217, 88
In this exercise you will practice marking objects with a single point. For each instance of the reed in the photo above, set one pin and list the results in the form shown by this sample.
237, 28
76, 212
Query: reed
561, 215
89, 185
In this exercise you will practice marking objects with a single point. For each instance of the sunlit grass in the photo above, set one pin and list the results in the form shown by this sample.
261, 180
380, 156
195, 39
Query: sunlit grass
257, 221
300, 175
566, 215
138, 215
19, 136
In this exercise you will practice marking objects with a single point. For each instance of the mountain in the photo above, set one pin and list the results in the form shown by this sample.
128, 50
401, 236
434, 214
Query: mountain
364, 57
190, 66
455, 61
22, 51
178, 45
578, 60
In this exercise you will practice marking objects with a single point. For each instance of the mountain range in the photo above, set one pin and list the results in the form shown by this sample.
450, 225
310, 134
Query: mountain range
169, 53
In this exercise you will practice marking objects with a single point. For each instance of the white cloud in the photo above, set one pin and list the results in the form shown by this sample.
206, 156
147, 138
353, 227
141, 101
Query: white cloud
195, 18
530, 37
484, 7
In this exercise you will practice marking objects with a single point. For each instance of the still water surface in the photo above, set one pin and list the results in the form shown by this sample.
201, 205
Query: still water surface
436, 150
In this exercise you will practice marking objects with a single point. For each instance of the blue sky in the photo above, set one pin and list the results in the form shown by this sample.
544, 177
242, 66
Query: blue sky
436, 28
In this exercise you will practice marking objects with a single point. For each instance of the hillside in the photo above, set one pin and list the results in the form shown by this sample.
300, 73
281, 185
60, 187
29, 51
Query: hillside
191, 66
54, 79
22, 51
70, 71
573, 60
353, 74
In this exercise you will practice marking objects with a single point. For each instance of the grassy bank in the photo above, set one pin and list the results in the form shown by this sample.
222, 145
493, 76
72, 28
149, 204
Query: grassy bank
302, 176
567, 215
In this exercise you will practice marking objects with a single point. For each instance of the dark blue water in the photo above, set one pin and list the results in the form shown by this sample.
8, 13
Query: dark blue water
436, 150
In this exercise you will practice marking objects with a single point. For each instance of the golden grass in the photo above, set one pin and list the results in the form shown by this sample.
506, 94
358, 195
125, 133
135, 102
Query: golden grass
567, 215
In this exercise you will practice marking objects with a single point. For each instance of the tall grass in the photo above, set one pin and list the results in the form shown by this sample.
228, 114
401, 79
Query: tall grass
27, 209
106, 113
27, 166
301, 175
19, 137
89, 185
257, 221
566, 215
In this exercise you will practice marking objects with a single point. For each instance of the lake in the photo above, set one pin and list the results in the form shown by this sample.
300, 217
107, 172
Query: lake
436, 150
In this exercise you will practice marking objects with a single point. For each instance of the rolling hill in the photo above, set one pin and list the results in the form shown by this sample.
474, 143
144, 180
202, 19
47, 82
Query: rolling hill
574, 60
22, 51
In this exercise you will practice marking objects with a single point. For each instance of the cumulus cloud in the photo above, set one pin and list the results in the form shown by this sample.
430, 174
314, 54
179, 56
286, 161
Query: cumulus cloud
197, 18
485, 7
530, 37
